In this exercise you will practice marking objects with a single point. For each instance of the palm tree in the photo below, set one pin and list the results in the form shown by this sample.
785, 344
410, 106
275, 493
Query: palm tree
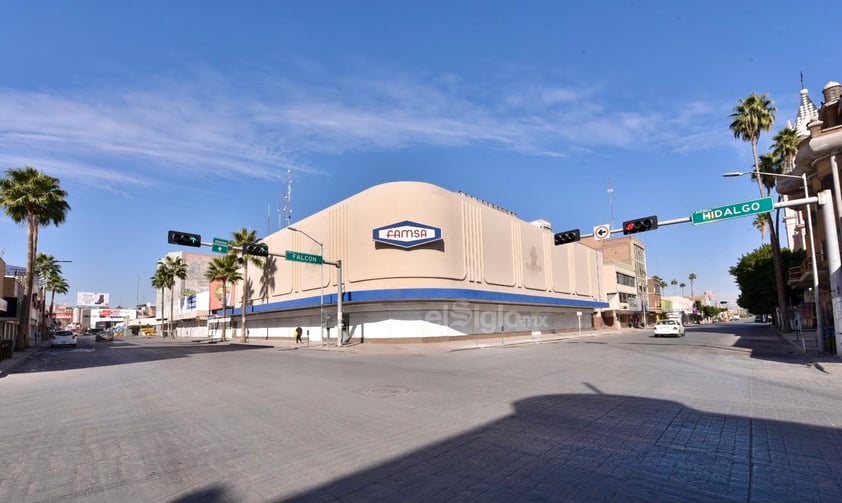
662, 284
159, 282
30, 196
761, 222
225, 269
752, 116
235, 245
173, 267
692, 279
785, 147
46, 267
673, 283
769, 163
682, 285
56, 284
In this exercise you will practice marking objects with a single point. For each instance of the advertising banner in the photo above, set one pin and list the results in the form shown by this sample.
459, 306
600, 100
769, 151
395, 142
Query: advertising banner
88, 299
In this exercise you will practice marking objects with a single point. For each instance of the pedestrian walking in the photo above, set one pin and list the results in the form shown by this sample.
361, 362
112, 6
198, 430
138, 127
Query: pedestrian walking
298, 335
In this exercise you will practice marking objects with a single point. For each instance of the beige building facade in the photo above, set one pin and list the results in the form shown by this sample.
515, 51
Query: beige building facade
421, 263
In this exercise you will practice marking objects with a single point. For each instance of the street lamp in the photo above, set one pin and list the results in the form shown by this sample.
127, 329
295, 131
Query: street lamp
321, 285
803, 177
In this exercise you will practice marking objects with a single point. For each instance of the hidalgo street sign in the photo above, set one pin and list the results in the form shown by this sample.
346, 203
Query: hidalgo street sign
735, 210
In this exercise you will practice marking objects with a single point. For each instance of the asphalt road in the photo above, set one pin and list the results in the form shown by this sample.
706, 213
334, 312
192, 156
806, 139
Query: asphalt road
727, 413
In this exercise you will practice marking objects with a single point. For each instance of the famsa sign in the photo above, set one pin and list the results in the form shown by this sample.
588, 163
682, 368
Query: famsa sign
407, 234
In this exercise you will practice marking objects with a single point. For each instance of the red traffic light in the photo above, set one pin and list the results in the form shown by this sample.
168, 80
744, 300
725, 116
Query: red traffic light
640, 225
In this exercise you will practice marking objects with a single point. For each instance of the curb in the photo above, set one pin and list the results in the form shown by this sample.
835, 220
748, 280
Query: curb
18, 361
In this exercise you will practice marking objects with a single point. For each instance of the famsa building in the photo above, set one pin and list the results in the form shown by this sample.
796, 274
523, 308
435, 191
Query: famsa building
418, 263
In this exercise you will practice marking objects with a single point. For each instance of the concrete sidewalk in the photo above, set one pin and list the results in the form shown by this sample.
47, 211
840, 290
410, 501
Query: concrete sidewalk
18, 357
384, 348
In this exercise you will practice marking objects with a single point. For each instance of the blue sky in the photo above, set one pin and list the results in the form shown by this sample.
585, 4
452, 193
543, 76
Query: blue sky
187, 115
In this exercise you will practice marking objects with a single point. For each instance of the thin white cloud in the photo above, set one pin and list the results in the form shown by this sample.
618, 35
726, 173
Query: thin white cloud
212, 128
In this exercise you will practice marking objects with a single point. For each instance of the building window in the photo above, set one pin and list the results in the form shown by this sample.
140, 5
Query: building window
627, 298
625, 279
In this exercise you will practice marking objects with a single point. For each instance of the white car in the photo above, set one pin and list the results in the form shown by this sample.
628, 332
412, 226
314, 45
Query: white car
669, 327
63, 338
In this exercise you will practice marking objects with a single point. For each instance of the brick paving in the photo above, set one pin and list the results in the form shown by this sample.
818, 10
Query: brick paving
609, 417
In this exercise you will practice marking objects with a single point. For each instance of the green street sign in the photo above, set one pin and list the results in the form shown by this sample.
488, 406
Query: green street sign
304, 257
735, 210
220, 245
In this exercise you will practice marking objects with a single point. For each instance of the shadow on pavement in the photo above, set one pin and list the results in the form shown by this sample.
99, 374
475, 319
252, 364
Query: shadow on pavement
118, 352
598, 447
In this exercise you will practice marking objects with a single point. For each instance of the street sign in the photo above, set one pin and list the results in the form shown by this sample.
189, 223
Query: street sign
601, 232
304, 257
735, 210
220, 245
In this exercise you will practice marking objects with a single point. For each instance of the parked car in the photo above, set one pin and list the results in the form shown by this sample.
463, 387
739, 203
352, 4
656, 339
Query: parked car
63, 338
105, 335
669, 327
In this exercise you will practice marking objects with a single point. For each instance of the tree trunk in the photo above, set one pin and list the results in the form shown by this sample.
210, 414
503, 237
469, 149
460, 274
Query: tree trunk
172, 314
22, 339
245, 298
776, 249
779, 278
224, 297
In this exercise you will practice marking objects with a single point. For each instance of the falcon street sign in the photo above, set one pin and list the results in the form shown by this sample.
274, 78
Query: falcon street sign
303, 257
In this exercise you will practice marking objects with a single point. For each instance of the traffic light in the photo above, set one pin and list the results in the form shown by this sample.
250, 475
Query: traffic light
565, 237
640, 225
184, 238
259, 249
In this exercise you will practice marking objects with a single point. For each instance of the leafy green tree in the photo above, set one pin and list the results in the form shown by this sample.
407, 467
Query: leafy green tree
752, 116
32, 197
225, 268
754, 273
238, 239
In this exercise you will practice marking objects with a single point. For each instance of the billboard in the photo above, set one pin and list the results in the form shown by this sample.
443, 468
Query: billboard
88, 299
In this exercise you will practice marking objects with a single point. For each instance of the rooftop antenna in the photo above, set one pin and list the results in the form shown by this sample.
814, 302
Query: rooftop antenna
611, 203
286, 213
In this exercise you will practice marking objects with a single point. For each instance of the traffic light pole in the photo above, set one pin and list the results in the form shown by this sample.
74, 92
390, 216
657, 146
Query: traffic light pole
661, 223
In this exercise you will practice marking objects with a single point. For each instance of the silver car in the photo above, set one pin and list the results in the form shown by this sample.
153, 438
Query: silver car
63, 338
